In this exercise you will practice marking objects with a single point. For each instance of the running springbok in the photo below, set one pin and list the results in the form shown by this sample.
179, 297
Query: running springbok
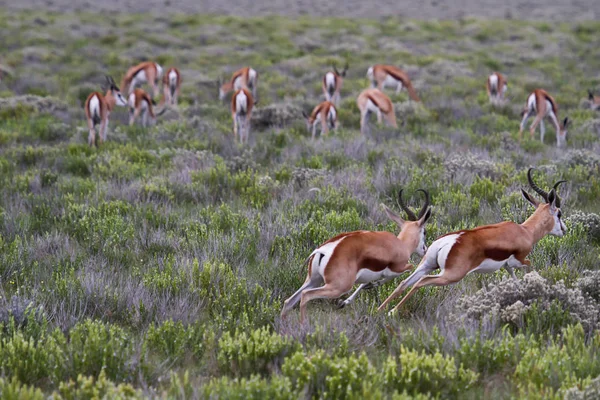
242, 104
496, 87
325, 114
387, 75
594, 100
375, 101
141, 103
365, 257
488, 248
543, 105
244, 78
98, 108
147, 71
171, 86
332, 84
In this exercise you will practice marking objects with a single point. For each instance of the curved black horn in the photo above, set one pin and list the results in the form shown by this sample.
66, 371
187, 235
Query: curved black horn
345, 69
555, 187
535, 187
590, 95
304, 114
335, 70
426, 205
411, 215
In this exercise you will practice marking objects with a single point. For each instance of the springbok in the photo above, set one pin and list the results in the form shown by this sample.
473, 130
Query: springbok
387, 75
98, 108
487, 248
365, 257
171, 86
147, 71
242, 104
244, 78
326, 114
543, 105
594, 100
375, 101
332, 84
141, 103
496, 87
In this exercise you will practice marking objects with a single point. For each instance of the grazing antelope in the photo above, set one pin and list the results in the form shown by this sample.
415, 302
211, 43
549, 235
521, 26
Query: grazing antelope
388, 75
332, 84
488, 248
594, 100
98, 108
496, 87
141, 103
242, 104
246, 78
324, 113
543, 105
146, 71
365, 257
171, 86
375, 101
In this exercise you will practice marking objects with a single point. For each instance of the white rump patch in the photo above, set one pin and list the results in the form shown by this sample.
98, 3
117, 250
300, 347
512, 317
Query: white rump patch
322, 255
94, 107
332, 114
241, 102
329, 80
494, 81
159, 71
531, 103
173, 77
441, 248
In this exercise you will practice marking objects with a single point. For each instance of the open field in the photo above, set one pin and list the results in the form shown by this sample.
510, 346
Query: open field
157, 265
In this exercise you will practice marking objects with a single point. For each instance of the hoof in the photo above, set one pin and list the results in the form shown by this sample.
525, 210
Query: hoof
341, 304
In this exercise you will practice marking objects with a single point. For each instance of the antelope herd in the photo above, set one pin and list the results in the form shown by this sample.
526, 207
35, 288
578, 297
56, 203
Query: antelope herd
368, 258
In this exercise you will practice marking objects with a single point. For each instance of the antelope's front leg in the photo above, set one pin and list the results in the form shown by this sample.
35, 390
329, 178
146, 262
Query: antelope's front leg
523, 122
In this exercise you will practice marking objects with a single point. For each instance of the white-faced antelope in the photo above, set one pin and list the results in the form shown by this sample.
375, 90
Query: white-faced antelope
171, 86
487, 248
332, 84
543, 105
365, 257
375, 101
141, 103
147, 71
324, 114
389, 75
242, 104
497, 85
98, 108
594, 100
244, 78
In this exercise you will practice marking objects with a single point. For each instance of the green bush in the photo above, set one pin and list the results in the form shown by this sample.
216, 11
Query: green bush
91, 388
14, 390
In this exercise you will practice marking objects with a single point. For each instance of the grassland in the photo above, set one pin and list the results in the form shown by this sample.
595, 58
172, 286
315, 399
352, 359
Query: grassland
156, 265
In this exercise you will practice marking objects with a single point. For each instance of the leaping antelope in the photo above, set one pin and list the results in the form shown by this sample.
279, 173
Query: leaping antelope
141, 103
543, 105
365, 257
388, 75
332, 84
496, 87
488, 248
98, 108
242, 104
244, 78
147, 71
375, 101
594, 100
325, 114
171, 86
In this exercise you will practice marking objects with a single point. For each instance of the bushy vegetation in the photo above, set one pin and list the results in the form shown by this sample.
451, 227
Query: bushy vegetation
157, 265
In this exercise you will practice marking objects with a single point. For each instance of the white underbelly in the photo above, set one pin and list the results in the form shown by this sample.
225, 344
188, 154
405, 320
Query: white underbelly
488, 266
366, 275
391, 81
372, 107
140, 77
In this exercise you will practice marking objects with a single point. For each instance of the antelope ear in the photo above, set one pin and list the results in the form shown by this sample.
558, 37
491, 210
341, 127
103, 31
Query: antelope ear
530, 199
393, 216
425, 217
552, 199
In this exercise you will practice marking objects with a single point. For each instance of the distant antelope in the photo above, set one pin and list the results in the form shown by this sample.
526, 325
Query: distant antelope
171, 86
332, 84
594, 100
365, 257
141, 103
388, 75
326, 114
375, 101
487, 248
146, 71
496, 87
244, 78
543, 105
242, 104
98, 108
